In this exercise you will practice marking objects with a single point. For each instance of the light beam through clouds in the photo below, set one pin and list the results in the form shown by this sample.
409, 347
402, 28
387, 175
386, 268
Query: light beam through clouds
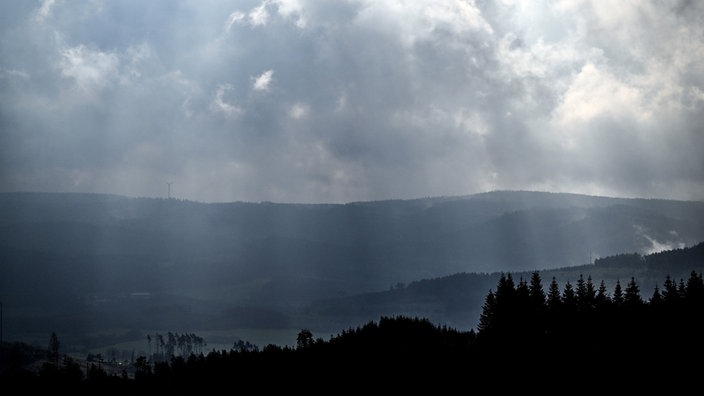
304, 101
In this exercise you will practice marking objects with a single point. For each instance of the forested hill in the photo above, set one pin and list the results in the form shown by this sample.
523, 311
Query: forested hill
86, 263
456, 300
127, 244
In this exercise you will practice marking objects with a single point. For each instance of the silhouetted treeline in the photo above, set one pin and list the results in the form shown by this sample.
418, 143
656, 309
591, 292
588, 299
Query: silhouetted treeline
457, 299
674, 260
171, 344
374, 353
578, 332
591, 324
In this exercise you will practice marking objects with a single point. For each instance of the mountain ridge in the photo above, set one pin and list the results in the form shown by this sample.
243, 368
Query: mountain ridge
65, 253
479, 195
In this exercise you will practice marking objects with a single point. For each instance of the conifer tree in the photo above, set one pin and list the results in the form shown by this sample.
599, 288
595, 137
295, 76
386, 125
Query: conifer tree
695, 288
505, 299
618, 294
569, 299
681, 290
522, 292
505, 291
670, 294
602, 298
656, 300
581, 291
537, 295
554, 297
591, 293
486, 318
632, 294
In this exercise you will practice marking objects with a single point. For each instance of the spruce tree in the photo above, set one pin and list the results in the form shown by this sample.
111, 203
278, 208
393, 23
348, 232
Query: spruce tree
522, 292
537, 295
554, 297
682, 290
618, 294
585, 293
569, 299
581, 291
486, 318
694, 294
656, 300
505, 294
591, 293
670, 294
602, 298
632, 294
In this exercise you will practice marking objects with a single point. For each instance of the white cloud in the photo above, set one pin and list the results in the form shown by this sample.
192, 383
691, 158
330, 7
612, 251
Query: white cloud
235, 17
219, 104
90, 70
399, 98
298, 111
263, 81
597, 93
412, 21
658, 246
44, 11
292, 9
12, 73
473, 122
259, 16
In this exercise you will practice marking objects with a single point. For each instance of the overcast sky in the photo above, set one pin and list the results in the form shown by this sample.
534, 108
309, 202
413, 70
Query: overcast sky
339, 101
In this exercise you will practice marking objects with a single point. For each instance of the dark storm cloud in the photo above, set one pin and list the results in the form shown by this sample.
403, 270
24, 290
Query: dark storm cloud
337, 101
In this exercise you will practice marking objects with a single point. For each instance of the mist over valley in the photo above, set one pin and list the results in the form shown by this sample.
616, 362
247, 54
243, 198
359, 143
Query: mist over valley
87, 264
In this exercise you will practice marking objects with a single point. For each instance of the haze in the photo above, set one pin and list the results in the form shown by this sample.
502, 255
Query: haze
307, 101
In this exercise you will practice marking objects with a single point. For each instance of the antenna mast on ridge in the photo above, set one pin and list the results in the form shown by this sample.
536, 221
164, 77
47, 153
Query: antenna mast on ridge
168, 190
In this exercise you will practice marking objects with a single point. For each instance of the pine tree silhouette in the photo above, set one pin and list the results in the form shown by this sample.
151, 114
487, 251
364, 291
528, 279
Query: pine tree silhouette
602, 298
670, 296
656, 300
632, 294
618, 294
569, 298
486, 318
554, 299
535, 290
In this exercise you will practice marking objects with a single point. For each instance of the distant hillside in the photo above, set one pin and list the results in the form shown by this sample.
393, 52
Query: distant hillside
456, 300
87, 261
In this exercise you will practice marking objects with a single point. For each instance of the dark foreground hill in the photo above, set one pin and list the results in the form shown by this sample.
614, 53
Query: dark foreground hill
531, 336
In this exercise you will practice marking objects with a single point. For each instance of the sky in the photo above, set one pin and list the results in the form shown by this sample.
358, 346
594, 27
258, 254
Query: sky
352, 100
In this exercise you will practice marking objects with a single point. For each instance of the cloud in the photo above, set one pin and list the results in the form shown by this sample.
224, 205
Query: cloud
596, 93
263, 81
44, 10
298, 111
235, 17
306, 101
292, 9
259, 16
220, 105
91, 71
656, 245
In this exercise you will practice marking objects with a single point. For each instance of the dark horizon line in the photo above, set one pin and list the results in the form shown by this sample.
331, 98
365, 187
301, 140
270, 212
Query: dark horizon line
429, 197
